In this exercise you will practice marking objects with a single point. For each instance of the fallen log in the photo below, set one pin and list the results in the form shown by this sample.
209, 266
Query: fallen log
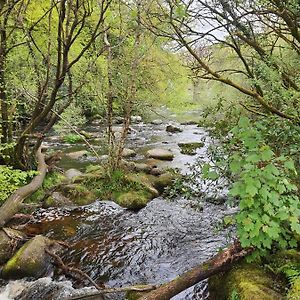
219, 263
14, 203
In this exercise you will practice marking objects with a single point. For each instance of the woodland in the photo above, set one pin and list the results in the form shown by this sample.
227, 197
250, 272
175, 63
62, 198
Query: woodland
150, 149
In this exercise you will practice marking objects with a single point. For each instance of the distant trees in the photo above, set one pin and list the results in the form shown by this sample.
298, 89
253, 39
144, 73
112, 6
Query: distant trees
263, 35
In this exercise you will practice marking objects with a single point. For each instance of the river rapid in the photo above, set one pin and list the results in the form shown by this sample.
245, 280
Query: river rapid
122, 248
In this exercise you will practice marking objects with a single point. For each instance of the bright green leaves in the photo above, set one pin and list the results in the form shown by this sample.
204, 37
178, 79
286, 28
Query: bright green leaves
269, 205
11, 179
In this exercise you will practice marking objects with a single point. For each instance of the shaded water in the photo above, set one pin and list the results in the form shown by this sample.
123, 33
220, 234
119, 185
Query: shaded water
122, 248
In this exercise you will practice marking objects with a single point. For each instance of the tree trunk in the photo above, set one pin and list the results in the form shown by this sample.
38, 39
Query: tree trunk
220, 262
14, 203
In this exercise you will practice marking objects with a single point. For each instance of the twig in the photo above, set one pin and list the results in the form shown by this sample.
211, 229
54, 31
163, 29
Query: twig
67, 269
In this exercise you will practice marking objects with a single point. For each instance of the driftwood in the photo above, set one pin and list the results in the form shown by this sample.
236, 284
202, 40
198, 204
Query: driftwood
14, 203
219, 263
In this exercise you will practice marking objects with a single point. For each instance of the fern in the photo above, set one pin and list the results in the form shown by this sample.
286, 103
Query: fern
291, 272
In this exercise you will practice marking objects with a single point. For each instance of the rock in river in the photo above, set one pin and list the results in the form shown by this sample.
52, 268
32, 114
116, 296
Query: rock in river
162, 154
30, 260
173, 129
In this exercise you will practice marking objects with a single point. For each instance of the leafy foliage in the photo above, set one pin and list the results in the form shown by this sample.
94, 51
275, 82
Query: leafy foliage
11, 180
269, 204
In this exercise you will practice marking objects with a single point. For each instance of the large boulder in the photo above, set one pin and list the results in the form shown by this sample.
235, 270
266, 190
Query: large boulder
161, 154
173, 129
244, 281
72, 173
77, 154
10, 239
31, 260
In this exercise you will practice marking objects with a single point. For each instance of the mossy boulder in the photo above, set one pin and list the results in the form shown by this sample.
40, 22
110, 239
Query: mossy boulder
190, 148
163, 181
140, 181
78, 193
133, 200
245, 282
30, 260
10, 239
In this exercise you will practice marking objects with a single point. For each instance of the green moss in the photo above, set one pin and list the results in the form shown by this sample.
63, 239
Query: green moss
29, 260
249, 281
79, 194
294, 292
134, 200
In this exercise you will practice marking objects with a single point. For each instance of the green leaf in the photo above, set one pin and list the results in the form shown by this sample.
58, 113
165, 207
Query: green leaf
289, 164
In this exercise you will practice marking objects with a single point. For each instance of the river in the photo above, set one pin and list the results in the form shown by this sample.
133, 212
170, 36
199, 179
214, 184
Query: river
123, 248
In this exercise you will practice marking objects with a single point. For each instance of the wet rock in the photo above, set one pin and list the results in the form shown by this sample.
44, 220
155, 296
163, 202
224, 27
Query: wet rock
173, 129
133, 200
57, 199
9, 241
161, 154
136, 119
246, 281
77, 154
72, 173
30, 260
126, 153
190, 148
157, 122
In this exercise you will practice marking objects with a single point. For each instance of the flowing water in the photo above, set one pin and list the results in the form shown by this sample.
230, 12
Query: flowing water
123, 248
